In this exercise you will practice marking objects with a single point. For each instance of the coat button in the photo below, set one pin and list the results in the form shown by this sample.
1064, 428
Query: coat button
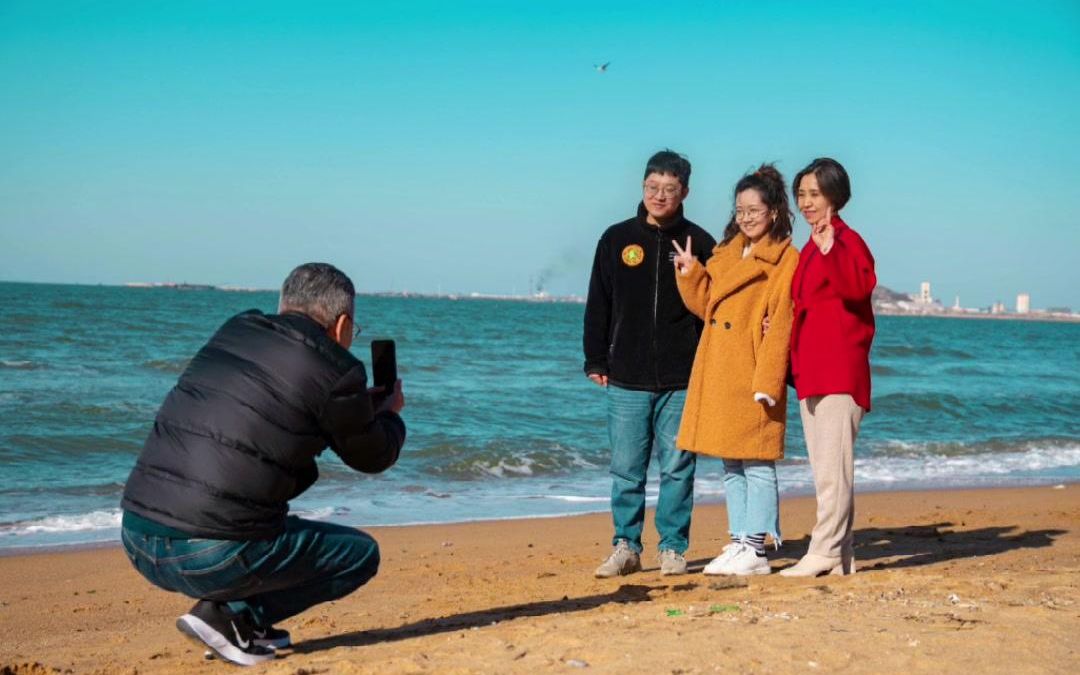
727, 325
712, 322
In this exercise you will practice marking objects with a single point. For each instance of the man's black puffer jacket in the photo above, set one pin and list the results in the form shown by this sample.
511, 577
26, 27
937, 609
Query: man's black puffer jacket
237, 436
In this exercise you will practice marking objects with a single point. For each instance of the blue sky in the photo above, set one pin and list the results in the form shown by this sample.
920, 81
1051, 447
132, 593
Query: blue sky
471, 147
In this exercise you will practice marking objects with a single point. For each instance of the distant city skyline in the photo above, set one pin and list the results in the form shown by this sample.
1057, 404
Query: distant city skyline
477, 147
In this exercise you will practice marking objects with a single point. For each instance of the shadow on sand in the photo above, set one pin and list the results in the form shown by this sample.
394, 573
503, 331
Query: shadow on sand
625, 594
894, 547
916, 545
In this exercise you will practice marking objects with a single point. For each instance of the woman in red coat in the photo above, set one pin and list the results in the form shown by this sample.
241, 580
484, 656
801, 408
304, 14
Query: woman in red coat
830, 358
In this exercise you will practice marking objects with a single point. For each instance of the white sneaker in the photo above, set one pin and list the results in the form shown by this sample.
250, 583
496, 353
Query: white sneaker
747, 562
719, 564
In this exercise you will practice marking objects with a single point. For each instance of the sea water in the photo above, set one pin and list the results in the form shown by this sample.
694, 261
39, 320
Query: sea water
502, 422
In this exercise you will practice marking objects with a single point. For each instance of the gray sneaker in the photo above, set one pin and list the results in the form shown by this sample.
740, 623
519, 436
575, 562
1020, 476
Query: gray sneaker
623, 560
672, 563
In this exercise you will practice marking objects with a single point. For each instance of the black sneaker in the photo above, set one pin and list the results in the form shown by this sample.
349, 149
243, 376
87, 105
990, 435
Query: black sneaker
274, 638
229, 636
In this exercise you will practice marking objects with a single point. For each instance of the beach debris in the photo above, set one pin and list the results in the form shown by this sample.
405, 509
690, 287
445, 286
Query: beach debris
673, 612
722, 583
913, 643
447, 543
961, 623
544, 575
576, 663
1059, 486
954, 598
779, 616
812, 664
720, 609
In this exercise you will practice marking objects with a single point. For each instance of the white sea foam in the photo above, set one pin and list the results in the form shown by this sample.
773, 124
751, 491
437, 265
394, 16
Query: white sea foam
523, 467
578, 499
936, 469
580, 462
315, 514
17, 364
82, 522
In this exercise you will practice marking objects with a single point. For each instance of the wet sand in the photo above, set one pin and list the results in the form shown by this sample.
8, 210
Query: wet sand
966, 580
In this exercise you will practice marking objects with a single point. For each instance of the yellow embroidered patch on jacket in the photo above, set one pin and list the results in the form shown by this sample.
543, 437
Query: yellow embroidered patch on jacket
633, 255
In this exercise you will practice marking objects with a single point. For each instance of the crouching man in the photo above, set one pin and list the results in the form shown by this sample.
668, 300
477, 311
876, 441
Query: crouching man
205, 508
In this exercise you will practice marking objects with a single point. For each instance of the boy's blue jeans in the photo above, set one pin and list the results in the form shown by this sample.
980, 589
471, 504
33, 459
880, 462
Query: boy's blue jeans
753, 498
273, 579
640, 424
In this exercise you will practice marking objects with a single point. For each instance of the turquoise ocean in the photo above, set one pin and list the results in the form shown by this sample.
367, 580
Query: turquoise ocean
502, 423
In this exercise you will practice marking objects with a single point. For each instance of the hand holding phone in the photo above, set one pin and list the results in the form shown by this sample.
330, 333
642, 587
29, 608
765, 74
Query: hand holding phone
395, 401
384, 374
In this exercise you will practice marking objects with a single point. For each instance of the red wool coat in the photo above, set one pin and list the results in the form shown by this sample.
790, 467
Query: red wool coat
834, 320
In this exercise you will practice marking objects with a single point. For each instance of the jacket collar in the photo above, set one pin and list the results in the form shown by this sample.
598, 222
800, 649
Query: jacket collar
767, 250
676, 223
739, 270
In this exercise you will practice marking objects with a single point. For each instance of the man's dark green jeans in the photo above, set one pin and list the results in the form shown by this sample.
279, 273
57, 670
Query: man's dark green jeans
272, 579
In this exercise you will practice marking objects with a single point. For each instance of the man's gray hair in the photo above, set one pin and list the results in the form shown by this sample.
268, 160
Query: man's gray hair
319, 290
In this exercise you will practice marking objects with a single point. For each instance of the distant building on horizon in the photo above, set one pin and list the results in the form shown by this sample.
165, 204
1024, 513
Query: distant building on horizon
997, 308
923, 302
1023, 303
924, 293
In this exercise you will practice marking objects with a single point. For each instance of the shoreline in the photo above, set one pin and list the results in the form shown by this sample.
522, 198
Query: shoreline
1038, 316
803, 493
1032, 317
959, 579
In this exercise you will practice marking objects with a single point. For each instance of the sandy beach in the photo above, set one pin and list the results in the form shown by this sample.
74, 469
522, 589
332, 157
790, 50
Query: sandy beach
966, 580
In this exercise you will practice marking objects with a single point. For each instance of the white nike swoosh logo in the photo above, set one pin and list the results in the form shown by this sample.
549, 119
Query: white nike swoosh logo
244, 644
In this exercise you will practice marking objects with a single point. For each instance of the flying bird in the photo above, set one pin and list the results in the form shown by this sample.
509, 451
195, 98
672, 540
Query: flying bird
602, 68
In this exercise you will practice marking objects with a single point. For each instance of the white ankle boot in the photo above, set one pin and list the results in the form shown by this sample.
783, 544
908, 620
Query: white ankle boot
813, 565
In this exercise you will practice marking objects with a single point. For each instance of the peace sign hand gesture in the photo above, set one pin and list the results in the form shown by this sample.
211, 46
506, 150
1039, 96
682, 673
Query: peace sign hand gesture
822, 231
685, 260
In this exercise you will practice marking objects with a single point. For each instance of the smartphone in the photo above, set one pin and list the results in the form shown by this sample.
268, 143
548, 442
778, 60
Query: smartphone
383, 366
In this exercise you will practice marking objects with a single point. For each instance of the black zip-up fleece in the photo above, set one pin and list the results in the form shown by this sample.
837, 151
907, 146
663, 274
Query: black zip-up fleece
637, 330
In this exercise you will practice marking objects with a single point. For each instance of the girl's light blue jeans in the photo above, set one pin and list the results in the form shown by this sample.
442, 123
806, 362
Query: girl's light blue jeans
753, 498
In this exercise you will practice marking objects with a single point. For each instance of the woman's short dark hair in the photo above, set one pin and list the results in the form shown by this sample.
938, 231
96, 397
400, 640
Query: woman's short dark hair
669, 162
832, 180
769, 185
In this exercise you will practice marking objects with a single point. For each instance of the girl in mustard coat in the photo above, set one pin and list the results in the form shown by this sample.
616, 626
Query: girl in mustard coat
736, 403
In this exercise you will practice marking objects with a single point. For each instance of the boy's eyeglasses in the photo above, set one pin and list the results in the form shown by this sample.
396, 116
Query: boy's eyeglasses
668, 190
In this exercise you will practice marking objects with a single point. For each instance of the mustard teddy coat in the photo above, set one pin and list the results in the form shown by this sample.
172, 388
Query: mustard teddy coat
733, 294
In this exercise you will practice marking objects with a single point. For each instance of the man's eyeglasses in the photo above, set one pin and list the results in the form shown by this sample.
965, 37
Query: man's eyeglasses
356, 329
749, 214
668, 190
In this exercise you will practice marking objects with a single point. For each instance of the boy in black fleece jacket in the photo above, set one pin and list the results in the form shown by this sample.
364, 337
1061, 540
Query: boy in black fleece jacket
639, 345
